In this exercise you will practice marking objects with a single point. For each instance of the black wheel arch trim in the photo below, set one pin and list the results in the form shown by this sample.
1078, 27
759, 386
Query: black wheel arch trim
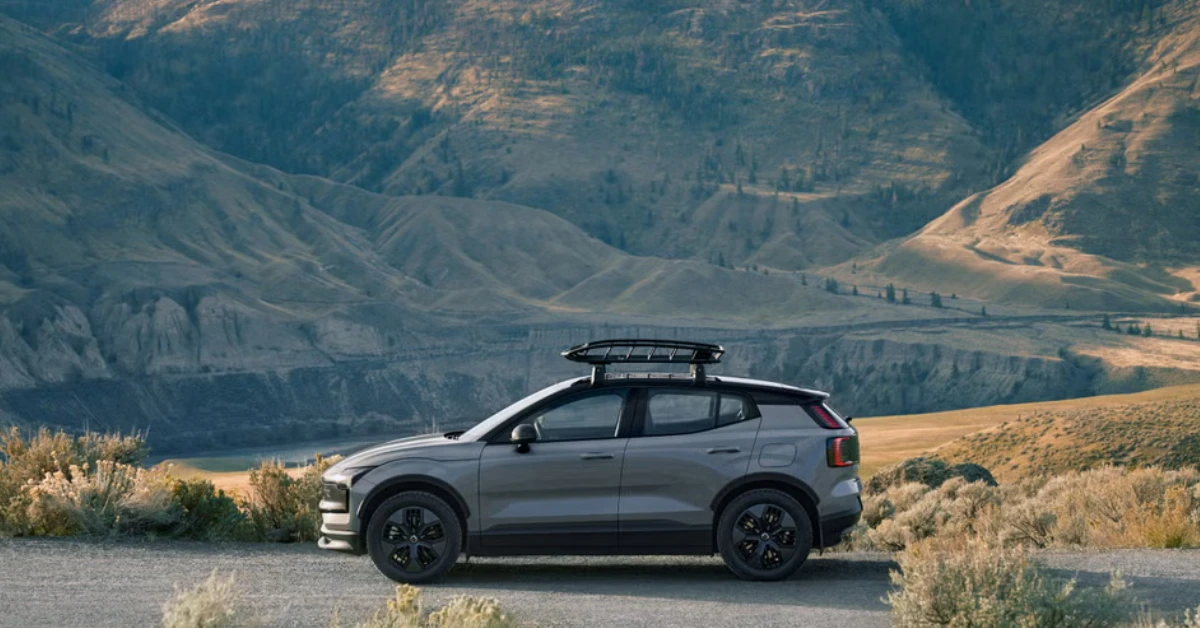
384, 490
771, 480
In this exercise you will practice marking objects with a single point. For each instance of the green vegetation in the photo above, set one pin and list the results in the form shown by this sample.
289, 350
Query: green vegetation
52, 484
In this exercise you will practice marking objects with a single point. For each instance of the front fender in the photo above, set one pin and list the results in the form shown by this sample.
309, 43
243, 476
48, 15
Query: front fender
457, 481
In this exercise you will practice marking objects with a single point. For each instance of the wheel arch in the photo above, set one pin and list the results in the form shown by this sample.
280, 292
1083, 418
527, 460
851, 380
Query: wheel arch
797, 489
399, 484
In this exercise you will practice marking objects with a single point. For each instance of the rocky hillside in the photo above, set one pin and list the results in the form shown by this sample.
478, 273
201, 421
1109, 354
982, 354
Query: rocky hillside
247, 221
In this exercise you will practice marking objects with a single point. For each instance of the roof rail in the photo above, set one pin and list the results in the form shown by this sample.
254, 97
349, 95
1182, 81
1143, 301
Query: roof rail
601, 353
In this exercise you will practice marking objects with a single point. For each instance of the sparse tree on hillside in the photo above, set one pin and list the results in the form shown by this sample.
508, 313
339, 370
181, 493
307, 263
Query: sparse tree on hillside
891, 293
1133, 329
1107, 324
831, 285
804, 282
935, 299
1148, 331
1117, 328
983, 311
904, 299
854, 290
1181, 334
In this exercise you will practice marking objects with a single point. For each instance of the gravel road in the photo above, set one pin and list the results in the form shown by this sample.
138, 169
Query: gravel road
79, 583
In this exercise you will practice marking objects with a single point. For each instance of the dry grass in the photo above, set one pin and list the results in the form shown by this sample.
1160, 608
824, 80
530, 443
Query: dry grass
215, 603
1163, 433
404, 610
888, 440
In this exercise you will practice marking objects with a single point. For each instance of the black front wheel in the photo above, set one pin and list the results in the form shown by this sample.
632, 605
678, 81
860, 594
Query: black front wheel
414, 537
764, 534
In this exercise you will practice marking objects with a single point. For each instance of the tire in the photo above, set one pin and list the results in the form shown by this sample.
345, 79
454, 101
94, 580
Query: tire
414, 516
750, 555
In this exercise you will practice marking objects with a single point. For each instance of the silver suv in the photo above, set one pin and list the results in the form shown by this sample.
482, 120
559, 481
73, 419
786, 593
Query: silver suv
631, 463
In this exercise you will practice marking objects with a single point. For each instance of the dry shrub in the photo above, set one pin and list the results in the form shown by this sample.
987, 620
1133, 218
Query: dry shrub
207, 513
25, 461
979, 583
464, 611
404, 611
282, 508
110, 498
215, 603
1108, 507
1191, 619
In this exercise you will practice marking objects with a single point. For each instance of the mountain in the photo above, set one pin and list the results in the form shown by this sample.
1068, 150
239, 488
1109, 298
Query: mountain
232, 223
745, 133
1101, 216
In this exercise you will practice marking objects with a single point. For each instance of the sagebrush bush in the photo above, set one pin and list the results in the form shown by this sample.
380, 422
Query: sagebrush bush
208, 514
1107, 507
25, 461
979, 583
214, 603
404, 610
1191, 619
108, 498
282, 508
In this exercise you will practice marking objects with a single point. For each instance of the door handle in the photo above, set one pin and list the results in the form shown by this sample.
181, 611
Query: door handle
595, 456
724, 450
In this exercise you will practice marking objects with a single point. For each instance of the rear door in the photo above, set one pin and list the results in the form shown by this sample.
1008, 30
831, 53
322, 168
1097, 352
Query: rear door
560, 496
687, 444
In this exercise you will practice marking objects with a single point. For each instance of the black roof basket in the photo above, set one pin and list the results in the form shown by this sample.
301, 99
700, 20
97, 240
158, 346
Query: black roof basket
601, 353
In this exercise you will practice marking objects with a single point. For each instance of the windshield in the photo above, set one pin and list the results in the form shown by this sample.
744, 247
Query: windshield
500, 417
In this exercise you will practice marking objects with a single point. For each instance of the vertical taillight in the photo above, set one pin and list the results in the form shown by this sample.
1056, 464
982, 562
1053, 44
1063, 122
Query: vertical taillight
842, 451
824, 417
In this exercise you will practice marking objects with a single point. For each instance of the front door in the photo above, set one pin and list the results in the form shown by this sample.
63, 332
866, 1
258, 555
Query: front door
687, 444
561, 495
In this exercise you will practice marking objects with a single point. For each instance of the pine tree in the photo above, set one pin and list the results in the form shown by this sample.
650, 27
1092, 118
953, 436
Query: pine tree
891, 294
983, 311
1107, 324
854, 290
804, 282
1148, 331
935, 299
904, 299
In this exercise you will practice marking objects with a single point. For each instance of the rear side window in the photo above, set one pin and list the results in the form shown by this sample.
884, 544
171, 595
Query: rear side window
825, 416
688, 411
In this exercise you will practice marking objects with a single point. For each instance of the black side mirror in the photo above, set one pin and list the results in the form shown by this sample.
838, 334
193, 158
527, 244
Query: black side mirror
522, 435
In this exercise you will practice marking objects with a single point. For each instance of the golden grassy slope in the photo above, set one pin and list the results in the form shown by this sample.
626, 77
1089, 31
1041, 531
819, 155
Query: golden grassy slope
1101, 216
887, 440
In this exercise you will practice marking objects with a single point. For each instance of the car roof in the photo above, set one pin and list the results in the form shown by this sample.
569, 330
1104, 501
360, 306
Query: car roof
676, 378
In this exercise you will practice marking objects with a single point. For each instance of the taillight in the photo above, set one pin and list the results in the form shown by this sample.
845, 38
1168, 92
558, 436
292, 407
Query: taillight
824, 417
842, 451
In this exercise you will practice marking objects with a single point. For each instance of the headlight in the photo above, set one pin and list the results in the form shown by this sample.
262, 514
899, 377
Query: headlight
335, 489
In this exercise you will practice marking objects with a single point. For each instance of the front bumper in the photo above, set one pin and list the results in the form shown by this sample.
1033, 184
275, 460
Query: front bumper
337, 535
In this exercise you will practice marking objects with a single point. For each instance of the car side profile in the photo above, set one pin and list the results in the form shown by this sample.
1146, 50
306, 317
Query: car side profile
612, 464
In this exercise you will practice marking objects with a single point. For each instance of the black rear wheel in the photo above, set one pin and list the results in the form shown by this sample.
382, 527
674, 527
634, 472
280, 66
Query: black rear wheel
414, 537
764, 534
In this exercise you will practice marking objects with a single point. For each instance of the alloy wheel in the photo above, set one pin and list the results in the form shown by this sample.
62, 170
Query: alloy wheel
764, 536
414, 539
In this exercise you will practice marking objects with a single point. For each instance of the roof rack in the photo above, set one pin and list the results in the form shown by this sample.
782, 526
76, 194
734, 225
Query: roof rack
601, 353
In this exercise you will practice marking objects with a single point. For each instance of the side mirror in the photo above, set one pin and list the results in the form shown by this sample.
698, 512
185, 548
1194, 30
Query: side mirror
522, 435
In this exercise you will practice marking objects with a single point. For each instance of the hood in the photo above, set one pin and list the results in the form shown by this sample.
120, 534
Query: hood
391, 450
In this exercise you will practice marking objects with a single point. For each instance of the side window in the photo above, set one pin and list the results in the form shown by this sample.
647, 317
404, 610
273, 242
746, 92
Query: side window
733, 409
688, 411
587, 418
